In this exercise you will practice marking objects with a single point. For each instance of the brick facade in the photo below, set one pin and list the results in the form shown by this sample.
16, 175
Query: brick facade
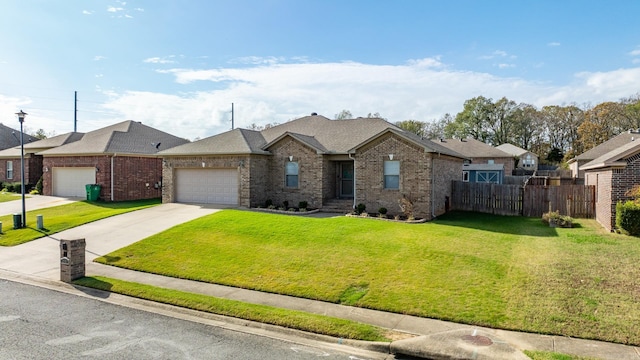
32, 170
416, 168
611, 186
262, 177
133, 177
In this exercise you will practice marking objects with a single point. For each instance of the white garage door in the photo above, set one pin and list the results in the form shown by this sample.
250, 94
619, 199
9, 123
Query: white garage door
207, 186
71, 181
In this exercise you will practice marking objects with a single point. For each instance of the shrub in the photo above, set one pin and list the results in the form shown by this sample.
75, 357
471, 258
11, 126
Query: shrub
302, 205
39, 185
406, 205
268, 203
360, 208
285, 204
628, 217
553, 218
382, 211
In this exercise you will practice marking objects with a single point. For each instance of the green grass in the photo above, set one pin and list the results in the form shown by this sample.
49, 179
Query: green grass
64, 217
543, 355
501, 272
261, 313
7, 196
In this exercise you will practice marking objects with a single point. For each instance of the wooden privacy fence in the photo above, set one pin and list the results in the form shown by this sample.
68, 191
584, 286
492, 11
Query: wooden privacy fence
531, 200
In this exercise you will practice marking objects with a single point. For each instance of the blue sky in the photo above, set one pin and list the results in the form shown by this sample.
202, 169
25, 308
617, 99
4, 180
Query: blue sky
178, 65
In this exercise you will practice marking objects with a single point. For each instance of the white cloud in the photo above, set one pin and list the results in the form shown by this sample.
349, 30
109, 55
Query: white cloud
114, 9
506, 66
87, 12
553, 44
99, 57
421, 89
160, 60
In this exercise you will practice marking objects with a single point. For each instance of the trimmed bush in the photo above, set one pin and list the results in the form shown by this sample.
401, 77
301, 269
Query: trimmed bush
382, 211
39, 186
360, 208
302, 205
628, 217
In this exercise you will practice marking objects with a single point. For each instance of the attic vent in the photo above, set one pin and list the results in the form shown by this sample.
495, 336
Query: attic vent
314, 114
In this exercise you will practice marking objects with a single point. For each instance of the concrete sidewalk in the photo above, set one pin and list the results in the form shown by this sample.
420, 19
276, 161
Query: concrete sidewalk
39, 261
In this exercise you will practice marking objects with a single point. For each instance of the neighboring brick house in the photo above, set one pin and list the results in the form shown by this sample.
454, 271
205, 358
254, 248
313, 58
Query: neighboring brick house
317, 160
479, 152
613, 174
525, 159
10, 166
121, 158
575, 164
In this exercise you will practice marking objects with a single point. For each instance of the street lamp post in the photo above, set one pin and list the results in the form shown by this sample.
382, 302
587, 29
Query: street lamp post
21, 116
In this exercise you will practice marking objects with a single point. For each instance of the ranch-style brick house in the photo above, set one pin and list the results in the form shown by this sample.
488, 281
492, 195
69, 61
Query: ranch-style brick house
615, 171
317, 160
479, 152
121, 158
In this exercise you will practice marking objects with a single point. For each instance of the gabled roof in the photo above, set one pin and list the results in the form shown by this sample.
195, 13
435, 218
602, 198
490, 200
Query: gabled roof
55, 141
310, 141
615, 157
125, 138
473, 148
427, 145
237, 141
607, 146
10, 138
317, 132
512, 149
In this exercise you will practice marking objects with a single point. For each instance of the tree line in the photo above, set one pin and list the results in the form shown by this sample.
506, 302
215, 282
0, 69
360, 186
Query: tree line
556, 133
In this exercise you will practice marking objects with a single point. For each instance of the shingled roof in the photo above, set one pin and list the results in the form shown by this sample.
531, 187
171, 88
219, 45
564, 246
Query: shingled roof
125, 138
473, 148
237, 141
11, 138
318, 132
55, 141
607, 146
615, 157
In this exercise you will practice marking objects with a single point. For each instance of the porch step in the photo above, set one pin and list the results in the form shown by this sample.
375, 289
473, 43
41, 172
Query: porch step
338, 205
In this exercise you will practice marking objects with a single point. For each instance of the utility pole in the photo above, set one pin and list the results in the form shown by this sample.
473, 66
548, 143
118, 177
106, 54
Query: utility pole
75, 111
231, 116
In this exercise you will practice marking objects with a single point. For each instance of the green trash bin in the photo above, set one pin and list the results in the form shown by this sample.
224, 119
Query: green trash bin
93, 192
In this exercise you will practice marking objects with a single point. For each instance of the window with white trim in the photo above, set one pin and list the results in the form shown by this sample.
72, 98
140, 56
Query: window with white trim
392, 174
291, 174
9, 169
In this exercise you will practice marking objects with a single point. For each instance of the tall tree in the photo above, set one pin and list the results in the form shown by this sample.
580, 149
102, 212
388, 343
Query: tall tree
472, 120
435, 129
414, 126
601, 124
343, 115
501, 118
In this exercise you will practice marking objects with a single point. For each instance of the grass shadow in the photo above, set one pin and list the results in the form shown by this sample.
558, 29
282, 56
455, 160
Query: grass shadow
516, 225
93, 287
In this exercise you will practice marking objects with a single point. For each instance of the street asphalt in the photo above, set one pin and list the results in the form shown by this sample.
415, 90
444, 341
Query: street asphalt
38, 262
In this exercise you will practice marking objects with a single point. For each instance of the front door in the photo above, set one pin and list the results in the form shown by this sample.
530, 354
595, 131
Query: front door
346, 179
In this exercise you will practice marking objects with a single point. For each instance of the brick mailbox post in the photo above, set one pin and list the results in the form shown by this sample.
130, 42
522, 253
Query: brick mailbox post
72, 259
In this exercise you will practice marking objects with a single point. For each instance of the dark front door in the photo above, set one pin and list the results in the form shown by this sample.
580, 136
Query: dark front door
346, 179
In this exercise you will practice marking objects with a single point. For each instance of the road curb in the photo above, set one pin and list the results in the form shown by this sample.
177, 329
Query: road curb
376, 350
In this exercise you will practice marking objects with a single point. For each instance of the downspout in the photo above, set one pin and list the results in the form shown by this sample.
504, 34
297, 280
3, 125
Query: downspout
433, 189
354, 180
112, 167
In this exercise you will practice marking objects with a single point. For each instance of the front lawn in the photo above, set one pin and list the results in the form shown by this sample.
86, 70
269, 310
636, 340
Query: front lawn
7, 196
65, 217
501, 272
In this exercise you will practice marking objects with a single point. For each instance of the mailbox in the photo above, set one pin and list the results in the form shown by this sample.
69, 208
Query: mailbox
72, 257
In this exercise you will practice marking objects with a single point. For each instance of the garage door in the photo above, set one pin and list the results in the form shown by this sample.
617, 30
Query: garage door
207, 186
70, 182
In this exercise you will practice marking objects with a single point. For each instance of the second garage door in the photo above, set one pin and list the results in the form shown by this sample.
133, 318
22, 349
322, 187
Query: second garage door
71, 181
207, 186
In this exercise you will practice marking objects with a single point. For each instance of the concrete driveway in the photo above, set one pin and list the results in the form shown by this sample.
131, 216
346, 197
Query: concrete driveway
33, 202
41, 257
